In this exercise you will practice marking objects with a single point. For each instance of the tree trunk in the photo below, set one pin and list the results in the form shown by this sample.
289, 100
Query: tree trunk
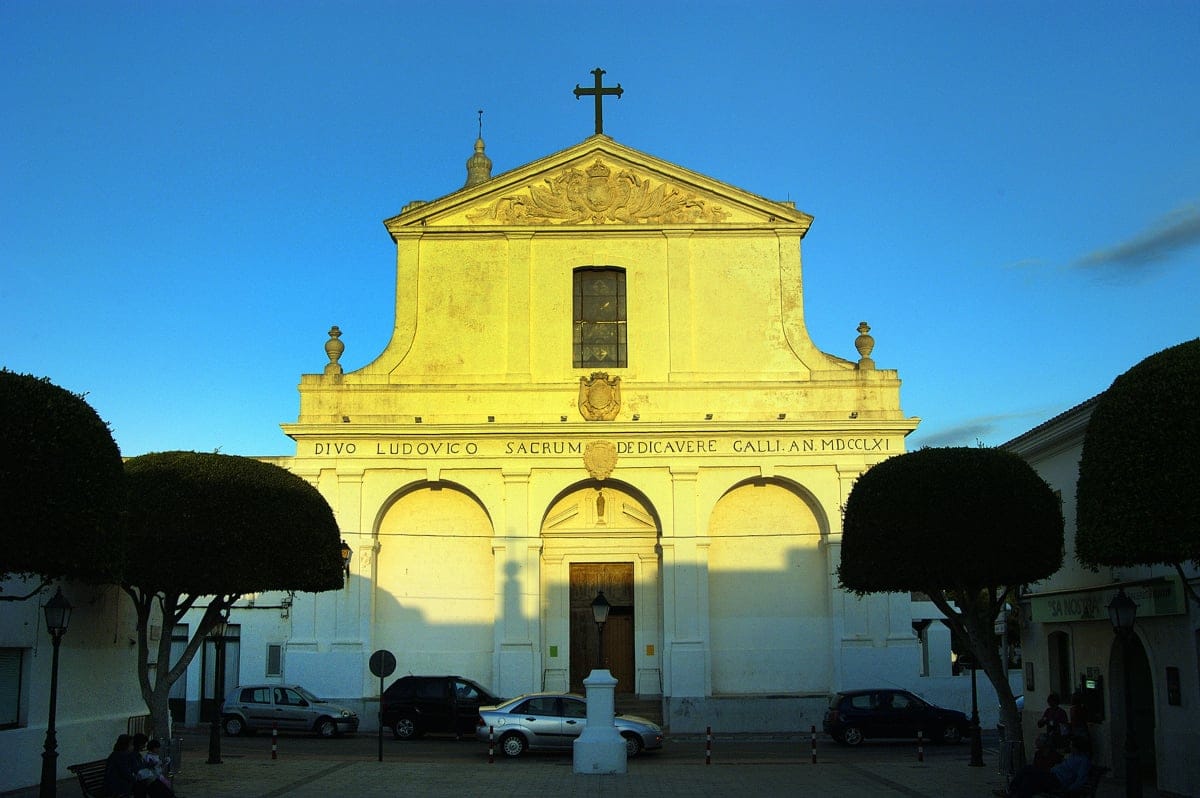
172, 608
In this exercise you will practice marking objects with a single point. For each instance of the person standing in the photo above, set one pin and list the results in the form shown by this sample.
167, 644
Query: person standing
1054, 719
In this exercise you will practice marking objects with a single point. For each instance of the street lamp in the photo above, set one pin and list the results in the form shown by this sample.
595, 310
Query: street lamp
1122, 611
347, 553
976, 739
600, 609
58, 614
217, 633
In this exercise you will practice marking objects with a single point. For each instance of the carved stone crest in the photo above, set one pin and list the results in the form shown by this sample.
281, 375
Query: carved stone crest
598, 196
599, 396
600, 458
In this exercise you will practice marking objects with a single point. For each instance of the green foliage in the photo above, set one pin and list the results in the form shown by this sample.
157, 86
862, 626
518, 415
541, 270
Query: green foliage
220, 524
61, 483
949, 519
1138, 502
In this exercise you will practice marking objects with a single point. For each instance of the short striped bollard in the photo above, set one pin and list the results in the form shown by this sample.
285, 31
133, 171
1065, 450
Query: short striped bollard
814, 745
491, 744
920, 745
708, 745
274, 740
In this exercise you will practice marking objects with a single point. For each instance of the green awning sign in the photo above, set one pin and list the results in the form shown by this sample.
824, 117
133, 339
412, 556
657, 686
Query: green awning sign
1153, 600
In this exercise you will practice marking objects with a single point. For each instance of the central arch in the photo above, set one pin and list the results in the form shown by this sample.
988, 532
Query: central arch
602, 536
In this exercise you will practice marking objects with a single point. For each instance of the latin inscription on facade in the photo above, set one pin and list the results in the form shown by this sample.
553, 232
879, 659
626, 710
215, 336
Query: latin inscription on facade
626, 447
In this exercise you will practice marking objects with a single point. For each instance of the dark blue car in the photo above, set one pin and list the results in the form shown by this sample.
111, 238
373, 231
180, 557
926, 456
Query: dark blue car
855, 715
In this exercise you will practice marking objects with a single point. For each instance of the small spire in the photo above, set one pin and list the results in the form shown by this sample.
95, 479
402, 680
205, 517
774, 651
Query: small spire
479, 166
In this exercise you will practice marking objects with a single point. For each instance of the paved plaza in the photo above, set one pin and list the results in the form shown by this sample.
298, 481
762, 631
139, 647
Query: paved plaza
781, 770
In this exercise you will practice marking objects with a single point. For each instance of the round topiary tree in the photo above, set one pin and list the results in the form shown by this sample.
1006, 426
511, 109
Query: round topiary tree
1136, 501
62, 484
963, 526
216, 527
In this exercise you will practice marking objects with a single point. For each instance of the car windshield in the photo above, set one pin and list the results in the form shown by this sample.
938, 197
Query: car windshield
307, 695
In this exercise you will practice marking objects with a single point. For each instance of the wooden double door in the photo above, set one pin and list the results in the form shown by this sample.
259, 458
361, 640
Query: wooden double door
616, 581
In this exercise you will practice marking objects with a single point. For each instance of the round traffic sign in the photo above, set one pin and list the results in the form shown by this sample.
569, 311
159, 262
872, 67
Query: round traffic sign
383, 663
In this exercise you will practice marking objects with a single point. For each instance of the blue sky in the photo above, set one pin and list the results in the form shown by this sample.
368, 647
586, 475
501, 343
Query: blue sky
191, 193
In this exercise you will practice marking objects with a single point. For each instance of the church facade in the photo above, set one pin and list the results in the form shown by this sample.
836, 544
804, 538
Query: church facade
600, 380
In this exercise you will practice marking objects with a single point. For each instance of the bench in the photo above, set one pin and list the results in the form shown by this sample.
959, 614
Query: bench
91, 778
1088, 790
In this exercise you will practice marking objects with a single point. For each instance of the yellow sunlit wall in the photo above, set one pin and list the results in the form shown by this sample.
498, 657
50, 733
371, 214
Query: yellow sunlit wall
464, 464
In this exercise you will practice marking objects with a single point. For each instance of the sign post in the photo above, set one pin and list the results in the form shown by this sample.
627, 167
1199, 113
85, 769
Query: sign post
383, 664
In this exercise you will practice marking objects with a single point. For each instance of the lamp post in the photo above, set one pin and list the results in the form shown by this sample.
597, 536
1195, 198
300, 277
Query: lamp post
600, 608
217, 633
347, 553
58, 614
976, 739
1122, 611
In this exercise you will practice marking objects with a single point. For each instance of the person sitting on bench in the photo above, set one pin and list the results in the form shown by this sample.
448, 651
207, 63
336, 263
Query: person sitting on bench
120, 770
1068, 775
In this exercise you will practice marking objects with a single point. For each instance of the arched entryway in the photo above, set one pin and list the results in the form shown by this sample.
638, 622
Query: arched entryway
602, 537
435, 582
1128, 658
768, 588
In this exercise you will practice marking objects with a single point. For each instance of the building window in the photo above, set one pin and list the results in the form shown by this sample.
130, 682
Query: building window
274, 659
10, 687
600, 335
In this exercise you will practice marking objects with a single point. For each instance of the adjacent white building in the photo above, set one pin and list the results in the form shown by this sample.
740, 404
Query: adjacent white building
1069, 643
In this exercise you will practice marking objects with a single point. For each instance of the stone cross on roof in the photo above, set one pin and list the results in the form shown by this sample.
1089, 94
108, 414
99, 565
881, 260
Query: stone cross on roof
599, 92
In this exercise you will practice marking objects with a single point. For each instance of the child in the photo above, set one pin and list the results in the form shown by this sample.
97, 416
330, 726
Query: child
154, 764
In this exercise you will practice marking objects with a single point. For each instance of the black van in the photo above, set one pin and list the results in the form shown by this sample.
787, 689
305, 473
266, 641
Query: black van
416, 705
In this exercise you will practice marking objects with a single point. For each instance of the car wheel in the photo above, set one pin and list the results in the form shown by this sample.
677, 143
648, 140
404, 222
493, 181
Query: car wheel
513, 744
633, 745
234, 726
404, 729
952, 734
852, 735
326, 727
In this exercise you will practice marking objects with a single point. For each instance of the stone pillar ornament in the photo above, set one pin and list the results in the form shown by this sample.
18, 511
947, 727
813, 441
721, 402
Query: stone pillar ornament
334, 349
864, 343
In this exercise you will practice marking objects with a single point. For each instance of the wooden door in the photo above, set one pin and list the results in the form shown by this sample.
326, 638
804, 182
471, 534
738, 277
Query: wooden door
616, 580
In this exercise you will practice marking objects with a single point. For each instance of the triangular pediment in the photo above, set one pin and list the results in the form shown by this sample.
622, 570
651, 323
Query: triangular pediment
600, 183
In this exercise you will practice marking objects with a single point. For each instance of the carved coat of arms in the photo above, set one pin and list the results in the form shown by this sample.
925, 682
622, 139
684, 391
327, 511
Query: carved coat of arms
599, 396
598, 195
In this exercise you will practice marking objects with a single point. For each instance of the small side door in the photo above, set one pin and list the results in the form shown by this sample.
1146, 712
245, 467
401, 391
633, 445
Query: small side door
467, 699
906, 717
542, 721
255, 705
574, 719
880, 719
291, 710
435, 705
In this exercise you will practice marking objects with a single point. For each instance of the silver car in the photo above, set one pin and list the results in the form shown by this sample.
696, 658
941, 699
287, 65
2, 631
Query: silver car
286, 707
553, 721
